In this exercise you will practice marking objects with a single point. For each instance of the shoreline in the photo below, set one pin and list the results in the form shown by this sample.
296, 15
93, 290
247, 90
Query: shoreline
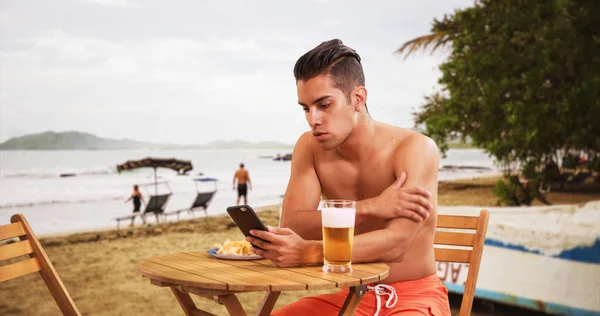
150, 218
468, 192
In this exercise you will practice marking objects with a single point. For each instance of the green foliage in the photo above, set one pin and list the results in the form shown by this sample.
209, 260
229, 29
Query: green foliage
523, 81
506, 191
514, 191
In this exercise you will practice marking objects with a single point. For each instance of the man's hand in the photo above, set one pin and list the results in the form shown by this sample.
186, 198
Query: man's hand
395, 202
284, 247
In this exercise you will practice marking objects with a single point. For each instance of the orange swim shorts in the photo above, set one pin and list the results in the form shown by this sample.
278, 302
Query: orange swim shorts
426, 296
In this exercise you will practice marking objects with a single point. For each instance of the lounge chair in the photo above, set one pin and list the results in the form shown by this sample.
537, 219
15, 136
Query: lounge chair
29, 245
155, 205
201, 201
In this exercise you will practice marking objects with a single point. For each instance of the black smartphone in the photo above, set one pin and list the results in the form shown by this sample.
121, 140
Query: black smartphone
246, 219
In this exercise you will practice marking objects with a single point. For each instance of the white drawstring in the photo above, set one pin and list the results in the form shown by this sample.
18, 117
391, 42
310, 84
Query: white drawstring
380, 289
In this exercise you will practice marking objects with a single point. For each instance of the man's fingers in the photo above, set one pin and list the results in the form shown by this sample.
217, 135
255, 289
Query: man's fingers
408, 211
279, 231
398, 184
416, 211
259, 243
419, 191
420, 200
259, 252
264, 235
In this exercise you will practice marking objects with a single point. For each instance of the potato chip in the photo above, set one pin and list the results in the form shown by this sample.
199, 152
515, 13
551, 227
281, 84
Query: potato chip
238, 247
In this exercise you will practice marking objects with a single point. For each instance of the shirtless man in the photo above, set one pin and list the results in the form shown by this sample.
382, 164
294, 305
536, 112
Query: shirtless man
392, 174
243, 183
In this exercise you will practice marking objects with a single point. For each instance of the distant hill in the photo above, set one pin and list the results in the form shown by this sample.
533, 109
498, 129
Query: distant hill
80, 140
72, 140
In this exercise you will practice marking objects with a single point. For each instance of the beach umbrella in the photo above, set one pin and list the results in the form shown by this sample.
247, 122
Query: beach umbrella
181, 166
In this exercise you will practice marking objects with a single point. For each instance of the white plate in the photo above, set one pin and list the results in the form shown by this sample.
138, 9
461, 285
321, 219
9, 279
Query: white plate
213, 252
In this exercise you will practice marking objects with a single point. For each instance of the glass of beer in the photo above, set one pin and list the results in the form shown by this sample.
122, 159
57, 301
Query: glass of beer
337, 218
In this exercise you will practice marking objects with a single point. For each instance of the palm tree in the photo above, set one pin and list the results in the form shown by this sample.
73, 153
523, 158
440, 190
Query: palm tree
444, 31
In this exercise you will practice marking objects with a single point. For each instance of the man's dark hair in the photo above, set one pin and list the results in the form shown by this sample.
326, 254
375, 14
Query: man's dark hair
335, 59
242, 165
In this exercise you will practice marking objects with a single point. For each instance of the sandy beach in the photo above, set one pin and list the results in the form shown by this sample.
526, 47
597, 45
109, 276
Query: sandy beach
99, 268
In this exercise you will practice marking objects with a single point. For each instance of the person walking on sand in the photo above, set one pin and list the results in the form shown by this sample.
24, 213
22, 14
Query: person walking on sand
243, 183
138, 199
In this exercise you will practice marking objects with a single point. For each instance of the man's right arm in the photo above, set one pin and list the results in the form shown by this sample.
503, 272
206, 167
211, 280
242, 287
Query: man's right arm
301, 199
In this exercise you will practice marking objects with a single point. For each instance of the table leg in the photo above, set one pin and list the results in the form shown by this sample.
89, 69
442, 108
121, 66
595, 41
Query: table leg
232, 304
267, 304
186, 303
353, 300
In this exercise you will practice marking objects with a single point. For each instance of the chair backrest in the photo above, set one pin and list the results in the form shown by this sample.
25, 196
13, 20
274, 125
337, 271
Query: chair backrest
202, 199
156, 204
468, 233
38, 261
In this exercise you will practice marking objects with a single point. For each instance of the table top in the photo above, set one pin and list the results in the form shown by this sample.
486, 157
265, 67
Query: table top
201, 270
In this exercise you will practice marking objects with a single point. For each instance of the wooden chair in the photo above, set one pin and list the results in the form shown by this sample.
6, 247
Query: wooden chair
469, 233
38, 261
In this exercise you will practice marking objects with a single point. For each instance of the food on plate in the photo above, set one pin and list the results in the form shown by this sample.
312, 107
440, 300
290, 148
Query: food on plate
238, 247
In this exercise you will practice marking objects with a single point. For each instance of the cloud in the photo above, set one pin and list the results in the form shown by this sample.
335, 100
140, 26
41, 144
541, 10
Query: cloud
198, 71
112, 3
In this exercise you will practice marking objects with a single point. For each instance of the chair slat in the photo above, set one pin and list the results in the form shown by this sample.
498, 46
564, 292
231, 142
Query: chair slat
42, 264
18, 269
456, 239
455, 221
452, 255
20, 248
11, 231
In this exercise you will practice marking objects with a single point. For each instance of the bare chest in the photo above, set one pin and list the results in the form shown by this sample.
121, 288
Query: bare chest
345, 180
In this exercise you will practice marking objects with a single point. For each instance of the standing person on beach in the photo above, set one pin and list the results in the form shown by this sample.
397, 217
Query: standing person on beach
391, 173
243, 183
137, 203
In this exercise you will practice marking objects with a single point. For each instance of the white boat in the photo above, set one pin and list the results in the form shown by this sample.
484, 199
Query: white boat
544, 258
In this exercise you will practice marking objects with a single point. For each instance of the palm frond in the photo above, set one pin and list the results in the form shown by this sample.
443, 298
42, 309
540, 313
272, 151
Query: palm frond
437, 39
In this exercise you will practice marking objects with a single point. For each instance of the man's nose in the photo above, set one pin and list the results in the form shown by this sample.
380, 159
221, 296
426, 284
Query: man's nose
314, 117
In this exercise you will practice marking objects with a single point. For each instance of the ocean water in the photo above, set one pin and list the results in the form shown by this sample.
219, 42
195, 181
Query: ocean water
30, 183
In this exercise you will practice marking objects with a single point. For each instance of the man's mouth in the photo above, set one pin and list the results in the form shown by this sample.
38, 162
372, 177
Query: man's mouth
319, 135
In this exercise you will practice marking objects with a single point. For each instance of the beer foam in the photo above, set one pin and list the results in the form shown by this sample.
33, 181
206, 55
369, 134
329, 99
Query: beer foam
338, 217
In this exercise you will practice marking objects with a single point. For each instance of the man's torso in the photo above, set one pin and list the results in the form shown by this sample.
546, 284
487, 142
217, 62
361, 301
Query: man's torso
341, 179
242, 176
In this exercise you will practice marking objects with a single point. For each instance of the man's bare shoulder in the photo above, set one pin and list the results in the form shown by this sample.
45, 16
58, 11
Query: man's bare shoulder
413, 143
305, 144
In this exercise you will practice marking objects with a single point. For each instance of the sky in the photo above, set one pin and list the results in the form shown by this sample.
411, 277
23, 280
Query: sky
190, 72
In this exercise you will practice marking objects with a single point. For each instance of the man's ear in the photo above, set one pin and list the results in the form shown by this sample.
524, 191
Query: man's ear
359, 97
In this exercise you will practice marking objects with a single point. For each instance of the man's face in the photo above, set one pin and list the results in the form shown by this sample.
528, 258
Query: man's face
327, 111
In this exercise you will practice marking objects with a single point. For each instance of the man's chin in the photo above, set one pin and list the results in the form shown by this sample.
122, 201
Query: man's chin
328, 146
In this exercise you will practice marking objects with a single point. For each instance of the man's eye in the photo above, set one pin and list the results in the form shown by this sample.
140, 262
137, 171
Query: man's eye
324, 106
305, 109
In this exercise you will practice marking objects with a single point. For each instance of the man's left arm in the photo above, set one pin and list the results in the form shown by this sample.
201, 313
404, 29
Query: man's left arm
419, 158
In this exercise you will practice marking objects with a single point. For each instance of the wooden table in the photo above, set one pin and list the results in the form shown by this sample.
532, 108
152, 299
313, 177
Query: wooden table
219, 279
